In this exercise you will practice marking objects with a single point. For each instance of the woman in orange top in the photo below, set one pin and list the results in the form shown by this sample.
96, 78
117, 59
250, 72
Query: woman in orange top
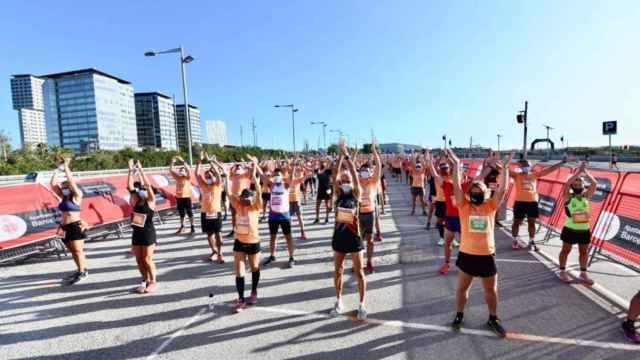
247, 243
476, 258
418, 174
183, 192
211, 185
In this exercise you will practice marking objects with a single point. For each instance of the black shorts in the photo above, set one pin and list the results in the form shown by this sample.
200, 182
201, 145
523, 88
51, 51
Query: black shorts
224, 196
275, 224
580, 237
303, 187
477, 265
417, 191
266, 196
397, 171
249, 249
349, 246
324, 194
210, 226
441, 209
294, 208
73, 232
522, 209
143, 236
366, 223
184, 206
309, 181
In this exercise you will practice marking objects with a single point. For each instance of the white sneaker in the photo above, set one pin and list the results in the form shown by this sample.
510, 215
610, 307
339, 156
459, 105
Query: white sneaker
338, 308
441, 242
362, 313
456, 243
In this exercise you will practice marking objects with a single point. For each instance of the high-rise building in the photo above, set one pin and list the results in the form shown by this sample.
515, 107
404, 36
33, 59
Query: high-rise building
156, 120
26, 93
181, 121
216, 132
89, 109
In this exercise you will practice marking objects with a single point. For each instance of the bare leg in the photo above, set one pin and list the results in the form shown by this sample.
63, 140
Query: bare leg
359, 271
490, 285
462, 291
339, 270
76, 248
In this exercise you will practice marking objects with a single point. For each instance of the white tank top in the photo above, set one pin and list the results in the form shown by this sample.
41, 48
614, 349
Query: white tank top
279, 202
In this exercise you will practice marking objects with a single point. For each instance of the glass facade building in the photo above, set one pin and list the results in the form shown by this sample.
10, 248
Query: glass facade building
27, 97
156, 120
89, 109
181, 120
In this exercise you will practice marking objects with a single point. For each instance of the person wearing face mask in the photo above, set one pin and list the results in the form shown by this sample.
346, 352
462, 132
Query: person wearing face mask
182, 177
72, 227
279, 214
266, 191
247, 240
239, 179
295, 179
143, 236
491, 169
418, 175
368, 180
439, 204
324, 191
211, 185
476, 258
346, 234
396, 163
407, 166
576, 228
526, 200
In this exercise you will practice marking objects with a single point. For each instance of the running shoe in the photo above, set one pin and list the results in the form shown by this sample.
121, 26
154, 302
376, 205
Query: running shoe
180, 230
630, 332
564, 277
230, 234
412, 213
496, 326
269, 260
316, 221
80, 276
224, 218
338, 308
151, 287
220, 259
361, 313
238, 306
253, 299
193, 230
379, 237
457, 322
369, 269
71, 275
291, 263
326, 221
515, 245
424, 213
441, 242
303, 237
586, 279
444, 269
533, 247
141, 288
456, 243
428, 226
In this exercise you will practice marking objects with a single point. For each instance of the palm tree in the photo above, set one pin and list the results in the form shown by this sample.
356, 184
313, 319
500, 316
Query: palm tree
4, 144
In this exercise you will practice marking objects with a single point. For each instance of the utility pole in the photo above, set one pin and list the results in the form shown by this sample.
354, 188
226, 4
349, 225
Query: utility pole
253, 128
548, 141
241, 137
521, 118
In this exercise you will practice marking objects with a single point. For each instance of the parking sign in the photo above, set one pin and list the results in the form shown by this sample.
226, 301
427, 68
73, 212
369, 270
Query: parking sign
609, 127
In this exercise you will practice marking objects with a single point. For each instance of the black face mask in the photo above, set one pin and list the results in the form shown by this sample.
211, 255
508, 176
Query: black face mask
476, 198
577, 191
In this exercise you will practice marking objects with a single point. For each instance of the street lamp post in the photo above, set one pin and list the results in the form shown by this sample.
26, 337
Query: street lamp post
293, 122
499, 136
548, 141
183, 61
324, 132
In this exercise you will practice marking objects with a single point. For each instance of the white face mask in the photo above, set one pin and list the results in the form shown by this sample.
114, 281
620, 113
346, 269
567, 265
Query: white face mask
209, 181
365, 174
66, 192
346, 188
525, 169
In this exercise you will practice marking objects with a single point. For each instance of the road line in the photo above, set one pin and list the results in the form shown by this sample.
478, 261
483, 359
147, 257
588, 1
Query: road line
176, 334
485, 333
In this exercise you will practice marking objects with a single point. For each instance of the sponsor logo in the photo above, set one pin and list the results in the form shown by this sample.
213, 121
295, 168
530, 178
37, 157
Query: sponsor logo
97, 189
162, 180
11, 227
603, 189
546, 205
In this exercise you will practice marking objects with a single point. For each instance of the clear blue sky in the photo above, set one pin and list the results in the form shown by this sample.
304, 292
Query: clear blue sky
409, 70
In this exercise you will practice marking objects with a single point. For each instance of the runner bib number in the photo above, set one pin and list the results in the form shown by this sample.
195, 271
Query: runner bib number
242, 225
138, 219
345, 215
478, 224
580, 217
212, 215
527, 186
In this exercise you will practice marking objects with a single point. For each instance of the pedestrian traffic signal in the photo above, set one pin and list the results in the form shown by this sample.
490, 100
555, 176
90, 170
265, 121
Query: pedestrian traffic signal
520, 118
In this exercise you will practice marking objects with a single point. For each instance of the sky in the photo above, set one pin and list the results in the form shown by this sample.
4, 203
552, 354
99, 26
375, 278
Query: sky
406, 71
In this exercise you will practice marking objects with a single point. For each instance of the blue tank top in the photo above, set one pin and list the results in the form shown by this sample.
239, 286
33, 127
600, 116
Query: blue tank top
68, 205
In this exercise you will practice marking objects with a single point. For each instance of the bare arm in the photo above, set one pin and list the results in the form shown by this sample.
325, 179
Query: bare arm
130, 176
377, 170
151, 196
72, 182
258, 196
53, 183
549, 169
593, 183
504, 180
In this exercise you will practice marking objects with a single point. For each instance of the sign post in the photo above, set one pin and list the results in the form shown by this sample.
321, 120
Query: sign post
610, 128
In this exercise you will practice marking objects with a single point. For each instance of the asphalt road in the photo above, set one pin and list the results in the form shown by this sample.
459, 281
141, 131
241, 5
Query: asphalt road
410, 305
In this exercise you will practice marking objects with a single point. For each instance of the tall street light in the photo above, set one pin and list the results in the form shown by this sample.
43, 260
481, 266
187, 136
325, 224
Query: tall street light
293, 122
324, 133
548, 141
521, 118
499, 136
183, 60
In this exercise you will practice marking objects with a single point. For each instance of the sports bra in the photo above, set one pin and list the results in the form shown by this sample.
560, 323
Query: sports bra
68, 205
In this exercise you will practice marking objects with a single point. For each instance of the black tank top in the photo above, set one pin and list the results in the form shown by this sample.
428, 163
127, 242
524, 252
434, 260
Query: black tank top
143, 209
346, 231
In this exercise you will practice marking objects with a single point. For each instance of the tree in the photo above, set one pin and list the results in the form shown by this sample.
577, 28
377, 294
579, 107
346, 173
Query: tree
5, 145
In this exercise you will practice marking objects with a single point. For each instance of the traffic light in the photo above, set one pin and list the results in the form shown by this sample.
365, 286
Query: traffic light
520, 118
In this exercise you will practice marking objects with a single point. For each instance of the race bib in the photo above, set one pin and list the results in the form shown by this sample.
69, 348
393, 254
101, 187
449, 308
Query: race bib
345, 215
276, 200
580, 217
242, 225
179, 187
212, 215
478, 224
366, 202
527, 186
138, 219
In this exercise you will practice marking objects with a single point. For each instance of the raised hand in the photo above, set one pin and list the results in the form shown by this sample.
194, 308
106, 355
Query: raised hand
130, 163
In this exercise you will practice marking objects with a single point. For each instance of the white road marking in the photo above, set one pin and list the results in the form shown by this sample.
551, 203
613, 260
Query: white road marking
486, 333
176, 334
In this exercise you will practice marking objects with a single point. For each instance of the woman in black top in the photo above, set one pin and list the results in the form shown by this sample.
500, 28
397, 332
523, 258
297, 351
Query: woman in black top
143, 237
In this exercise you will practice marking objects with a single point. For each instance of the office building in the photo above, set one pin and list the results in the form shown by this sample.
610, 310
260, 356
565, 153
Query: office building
181, 120
216, 132
27, 97
156, 120
89, 109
